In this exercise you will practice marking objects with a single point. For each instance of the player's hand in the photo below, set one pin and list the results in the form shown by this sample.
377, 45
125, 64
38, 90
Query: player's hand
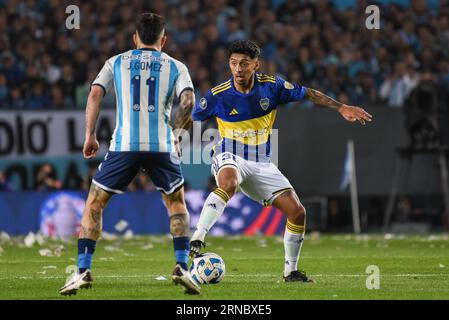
91, 147
352, 114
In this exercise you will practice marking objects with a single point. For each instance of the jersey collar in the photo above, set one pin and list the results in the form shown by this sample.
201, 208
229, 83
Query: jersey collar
245, 94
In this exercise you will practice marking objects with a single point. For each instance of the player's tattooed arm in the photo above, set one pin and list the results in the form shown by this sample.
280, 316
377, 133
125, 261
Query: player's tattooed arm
320, 98
350, 113
183, 117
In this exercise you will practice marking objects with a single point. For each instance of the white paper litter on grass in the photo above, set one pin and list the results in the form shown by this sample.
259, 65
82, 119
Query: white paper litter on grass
442, 265
39, 238
128, 254
5, 237
107, 258
30, 239
112, 248
129, 234
262, 243
108, 236
121, 225
49, 267
58, 250
46, 253
42, 272
388, 236
160, 278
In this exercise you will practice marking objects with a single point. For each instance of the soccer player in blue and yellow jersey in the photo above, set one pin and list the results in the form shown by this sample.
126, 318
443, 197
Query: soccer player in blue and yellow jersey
245, 110
145, 81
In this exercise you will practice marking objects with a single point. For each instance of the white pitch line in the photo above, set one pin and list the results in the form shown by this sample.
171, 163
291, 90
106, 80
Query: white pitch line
265, 275
242, 258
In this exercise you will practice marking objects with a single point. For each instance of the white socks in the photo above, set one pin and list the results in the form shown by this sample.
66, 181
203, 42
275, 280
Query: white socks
293, 238
212, 210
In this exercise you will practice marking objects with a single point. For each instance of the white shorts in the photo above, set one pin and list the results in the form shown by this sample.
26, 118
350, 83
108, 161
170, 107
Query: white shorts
260, 181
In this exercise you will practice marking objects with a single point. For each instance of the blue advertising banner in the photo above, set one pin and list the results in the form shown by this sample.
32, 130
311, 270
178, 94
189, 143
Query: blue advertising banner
59, 214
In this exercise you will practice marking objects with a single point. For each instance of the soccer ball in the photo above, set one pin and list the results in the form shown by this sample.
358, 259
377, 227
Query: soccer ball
207, 268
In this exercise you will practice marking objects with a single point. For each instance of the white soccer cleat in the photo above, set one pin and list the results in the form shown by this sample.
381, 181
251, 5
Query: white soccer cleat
183, 277
77, 281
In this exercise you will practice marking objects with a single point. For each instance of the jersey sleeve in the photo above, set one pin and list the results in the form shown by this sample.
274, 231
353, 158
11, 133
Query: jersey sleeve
289, 92
105, 77
205, 108
184, 82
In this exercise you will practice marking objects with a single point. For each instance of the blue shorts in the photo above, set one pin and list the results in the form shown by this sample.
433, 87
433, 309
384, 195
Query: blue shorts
118, 169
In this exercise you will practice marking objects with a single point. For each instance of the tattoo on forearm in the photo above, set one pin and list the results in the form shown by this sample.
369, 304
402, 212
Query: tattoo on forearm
320, 98
183, 119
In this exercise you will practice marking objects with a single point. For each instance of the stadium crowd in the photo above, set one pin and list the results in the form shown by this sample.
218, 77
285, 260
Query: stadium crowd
43, 65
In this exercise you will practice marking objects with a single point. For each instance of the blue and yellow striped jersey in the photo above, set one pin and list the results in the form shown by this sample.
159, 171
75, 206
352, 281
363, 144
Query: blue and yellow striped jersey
245, 120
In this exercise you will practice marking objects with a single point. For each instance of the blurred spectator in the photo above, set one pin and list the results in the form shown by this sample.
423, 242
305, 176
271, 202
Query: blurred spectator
46, 179
423, 112
316, 43
4, 91
4, 184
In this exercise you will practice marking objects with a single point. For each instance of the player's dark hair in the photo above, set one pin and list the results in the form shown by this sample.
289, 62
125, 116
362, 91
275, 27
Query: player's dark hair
149, 27
245, 47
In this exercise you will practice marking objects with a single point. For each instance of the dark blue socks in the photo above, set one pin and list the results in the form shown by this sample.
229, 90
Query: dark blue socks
182, 248
86, 249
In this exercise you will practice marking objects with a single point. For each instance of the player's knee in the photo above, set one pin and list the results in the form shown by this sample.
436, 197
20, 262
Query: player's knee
298, 215
230, 186
174, 202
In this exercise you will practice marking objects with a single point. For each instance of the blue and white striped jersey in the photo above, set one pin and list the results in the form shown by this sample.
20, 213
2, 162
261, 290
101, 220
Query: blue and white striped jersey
145, 82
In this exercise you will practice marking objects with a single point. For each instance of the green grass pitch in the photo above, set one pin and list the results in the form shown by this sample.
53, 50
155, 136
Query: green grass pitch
411, 267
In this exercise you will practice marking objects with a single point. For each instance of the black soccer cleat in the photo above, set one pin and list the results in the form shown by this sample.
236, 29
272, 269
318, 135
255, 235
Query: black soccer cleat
195, 248
298, 276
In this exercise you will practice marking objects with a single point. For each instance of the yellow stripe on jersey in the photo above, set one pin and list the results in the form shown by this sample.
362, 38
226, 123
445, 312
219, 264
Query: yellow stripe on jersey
266, 80
221, 85
264, 76
251, 132
221, 90
293, 228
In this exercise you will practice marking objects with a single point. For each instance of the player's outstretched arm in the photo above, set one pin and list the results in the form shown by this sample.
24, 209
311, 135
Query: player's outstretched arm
91, 144
183, 117
350, 113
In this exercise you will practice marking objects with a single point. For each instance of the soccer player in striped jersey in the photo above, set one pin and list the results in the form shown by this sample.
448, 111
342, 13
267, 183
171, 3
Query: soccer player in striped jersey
245, 110
145, 81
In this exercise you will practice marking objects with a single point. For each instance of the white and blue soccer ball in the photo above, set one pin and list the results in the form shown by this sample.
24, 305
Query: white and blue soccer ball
207, 268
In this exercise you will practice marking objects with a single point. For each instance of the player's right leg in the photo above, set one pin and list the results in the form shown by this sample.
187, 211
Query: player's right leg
113, 176
226, 173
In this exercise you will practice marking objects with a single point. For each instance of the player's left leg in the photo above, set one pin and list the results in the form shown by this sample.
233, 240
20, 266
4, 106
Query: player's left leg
267, 185
179, 229
288, 203
113, 175
165, 172
91, 227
